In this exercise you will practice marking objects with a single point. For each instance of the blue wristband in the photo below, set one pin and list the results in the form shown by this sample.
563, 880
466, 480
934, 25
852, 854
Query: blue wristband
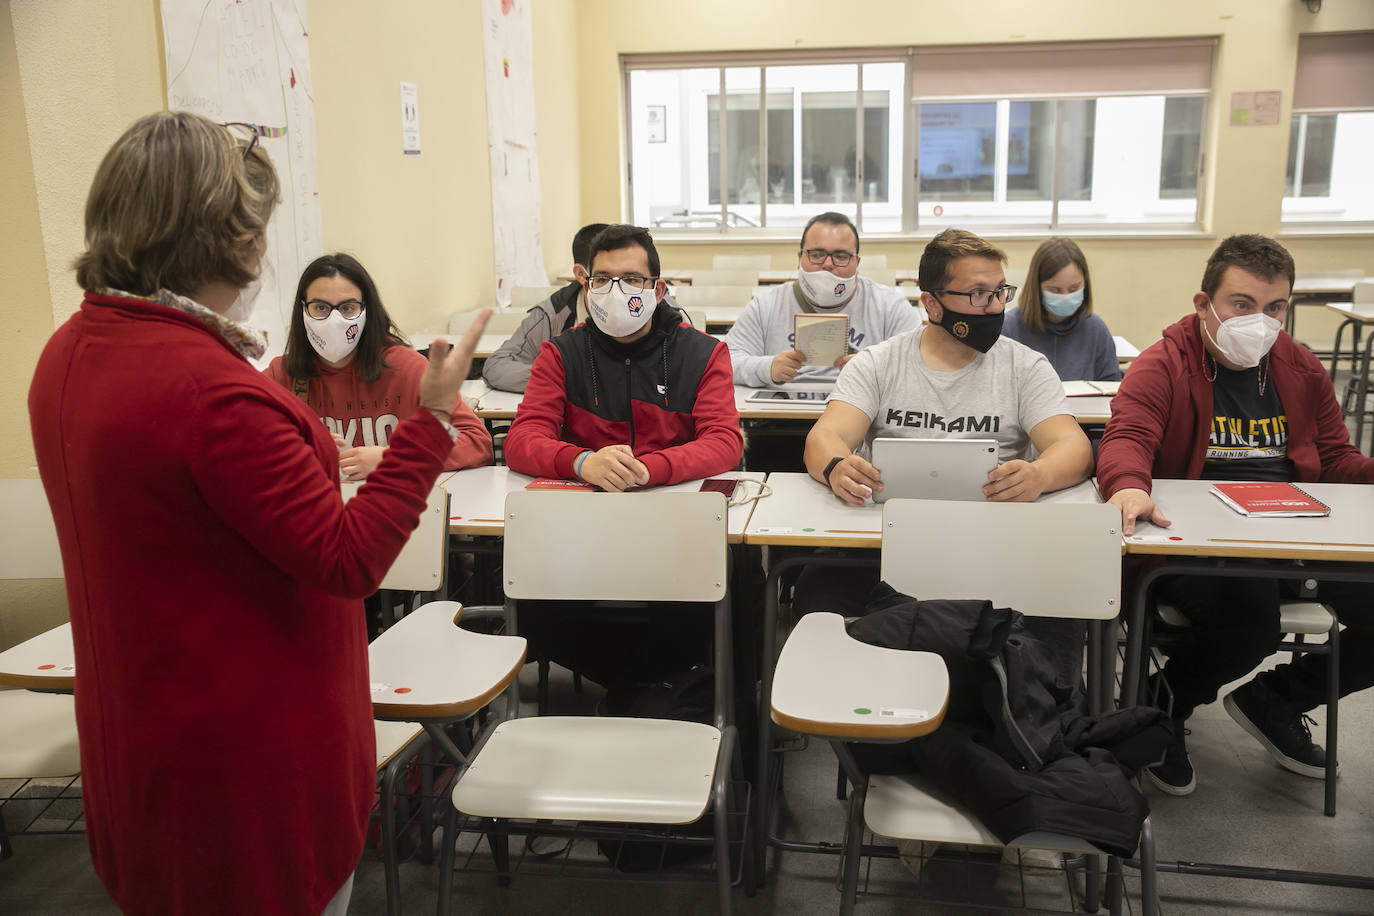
577, 465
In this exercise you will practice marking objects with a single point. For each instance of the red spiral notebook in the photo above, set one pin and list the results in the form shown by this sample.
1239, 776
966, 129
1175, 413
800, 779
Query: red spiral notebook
1269, 499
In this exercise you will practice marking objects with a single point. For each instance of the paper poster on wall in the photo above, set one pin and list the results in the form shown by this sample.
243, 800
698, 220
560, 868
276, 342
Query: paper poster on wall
250, 63
658, 123
410, 119
1255, 109
515, 200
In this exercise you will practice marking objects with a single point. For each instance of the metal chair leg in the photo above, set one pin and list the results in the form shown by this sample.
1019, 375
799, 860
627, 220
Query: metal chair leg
449, 838
1333, 704
853, 850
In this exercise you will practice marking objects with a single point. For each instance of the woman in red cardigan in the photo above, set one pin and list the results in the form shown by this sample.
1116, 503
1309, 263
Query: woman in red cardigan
346, 358
213, 572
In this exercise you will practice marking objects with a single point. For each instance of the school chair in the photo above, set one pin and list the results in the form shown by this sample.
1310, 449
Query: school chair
1298, 619
524, 298
884, 275
1047, 559
37, 741
735, 277
695, 317
741, 262
427, 675
610, 770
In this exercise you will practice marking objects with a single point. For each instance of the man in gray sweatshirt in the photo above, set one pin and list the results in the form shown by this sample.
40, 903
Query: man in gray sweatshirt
508, 367
762, 349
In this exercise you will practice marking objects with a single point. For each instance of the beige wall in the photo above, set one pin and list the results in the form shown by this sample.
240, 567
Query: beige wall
1140, 284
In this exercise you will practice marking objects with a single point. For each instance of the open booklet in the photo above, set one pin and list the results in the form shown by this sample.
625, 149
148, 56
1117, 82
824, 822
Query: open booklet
823, 338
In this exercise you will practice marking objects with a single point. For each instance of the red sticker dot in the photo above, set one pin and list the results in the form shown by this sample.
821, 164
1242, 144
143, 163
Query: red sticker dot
454, 518
1175, 538
401, 690
46, 667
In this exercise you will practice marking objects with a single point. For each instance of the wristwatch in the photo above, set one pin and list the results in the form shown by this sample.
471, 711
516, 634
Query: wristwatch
831, 466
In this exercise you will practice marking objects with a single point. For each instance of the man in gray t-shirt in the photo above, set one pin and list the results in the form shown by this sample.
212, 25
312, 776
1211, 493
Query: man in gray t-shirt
954, 377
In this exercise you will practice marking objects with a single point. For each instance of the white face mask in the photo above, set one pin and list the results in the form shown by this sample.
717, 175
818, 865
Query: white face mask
242, 309
336, 336
824, 290
618, 313
1245, 339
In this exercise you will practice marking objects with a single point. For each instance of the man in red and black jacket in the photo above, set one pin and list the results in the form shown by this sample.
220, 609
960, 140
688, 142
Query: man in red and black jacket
634, 397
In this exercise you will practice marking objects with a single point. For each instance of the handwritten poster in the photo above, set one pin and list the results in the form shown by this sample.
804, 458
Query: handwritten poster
516, 238
249, 61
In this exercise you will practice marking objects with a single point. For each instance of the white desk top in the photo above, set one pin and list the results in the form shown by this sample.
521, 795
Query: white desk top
1203, 526
1315, 284
47, 661
1125, 350
803, 512
826, 683
496, 404
780, 410
1347, 310
477, 500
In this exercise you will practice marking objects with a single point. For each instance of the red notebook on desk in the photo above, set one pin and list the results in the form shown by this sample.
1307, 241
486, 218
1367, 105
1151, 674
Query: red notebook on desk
555, 483
1269, 499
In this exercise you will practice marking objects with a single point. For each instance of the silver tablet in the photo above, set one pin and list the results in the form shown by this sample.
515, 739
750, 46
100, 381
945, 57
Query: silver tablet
804, 396
933, 468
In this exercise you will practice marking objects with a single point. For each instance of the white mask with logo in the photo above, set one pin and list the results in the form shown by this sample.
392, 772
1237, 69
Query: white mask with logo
824, 289
336, 336
619, 313
1244, 339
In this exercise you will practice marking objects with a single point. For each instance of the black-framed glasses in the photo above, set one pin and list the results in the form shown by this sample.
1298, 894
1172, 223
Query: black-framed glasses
818, 256
626, 284
319, 309
242, 130
982, 298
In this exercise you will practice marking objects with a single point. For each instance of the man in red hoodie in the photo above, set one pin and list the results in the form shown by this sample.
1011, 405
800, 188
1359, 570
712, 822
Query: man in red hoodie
1227, 395
632, 398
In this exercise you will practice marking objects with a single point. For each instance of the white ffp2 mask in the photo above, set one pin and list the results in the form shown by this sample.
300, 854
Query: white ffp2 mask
336, 336
1244, 339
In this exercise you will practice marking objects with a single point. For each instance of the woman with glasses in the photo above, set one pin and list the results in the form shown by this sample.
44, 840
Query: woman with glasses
348, 361
213, 572
1054, 314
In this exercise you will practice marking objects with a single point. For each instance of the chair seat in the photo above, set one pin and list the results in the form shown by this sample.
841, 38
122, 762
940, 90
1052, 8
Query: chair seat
1305, 617
908, 807
622, 770
392, 738
426, 667
38, 735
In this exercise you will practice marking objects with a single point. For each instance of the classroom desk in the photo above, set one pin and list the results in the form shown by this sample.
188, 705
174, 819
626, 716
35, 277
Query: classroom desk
477, 500
45, 662
803, 513
1125, 350
1209, 538
1319, 289
1358, 390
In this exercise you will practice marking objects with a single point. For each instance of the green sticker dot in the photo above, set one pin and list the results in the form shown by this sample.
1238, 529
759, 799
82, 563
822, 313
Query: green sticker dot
863, 711
808, 529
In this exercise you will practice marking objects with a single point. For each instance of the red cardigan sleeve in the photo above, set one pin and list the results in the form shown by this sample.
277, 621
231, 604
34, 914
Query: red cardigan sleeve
533, 445
717, 444
1140, 416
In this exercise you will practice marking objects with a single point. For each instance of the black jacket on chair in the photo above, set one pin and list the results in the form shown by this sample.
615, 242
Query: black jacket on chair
1016, 747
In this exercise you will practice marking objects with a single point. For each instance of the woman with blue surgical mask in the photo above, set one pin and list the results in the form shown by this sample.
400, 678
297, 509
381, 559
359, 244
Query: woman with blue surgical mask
1054, 315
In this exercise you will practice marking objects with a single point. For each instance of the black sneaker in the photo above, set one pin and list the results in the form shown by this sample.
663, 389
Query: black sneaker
1174, 775
1280, 728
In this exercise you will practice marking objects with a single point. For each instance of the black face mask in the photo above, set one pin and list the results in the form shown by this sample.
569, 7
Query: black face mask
977, 331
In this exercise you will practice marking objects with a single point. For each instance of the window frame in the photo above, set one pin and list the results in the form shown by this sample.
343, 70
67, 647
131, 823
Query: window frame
908, 196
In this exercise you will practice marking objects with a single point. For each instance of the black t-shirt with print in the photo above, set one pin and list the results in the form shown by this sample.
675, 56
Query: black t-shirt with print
1249, 438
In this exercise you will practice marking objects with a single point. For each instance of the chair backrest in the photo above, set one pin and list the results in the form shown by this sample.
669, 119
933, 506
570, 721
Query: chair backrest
1363, 297
741, 262
1043, 559
420, 565
500, 322
737, 277
573, 546
522, 298
883, 275
695, 317
872, 262
704, 297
